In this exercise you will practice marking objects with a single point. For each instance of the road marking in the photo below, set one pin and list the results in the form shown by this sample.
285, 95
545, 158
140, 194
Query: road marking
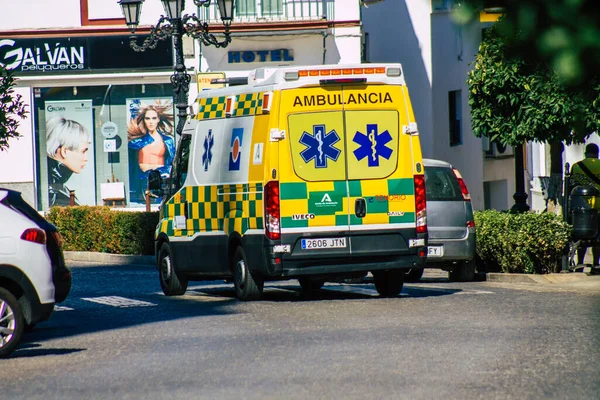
62, 308
447, 289
118, 301
475, 292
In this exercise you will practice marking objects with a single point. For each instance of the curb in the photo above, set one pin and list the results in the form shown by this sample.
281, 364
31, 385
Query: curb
106, 258
572, 278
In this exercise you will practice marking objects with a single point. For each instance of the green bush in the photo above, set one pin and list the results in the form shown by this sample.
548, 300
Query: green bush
520, 243
100, 229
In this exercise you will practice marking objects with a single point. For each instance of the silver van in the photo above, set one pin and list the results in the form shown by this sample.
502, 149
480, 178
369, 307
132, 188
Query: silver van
450, 223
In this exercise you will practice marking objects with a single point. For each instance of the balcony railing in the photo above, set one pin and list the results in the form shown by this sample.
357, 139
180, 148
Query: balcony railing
274, 11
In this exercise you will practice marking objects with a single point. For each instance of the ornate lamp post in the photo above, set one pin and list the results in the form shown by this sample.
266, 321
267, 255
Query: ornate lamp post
174, 25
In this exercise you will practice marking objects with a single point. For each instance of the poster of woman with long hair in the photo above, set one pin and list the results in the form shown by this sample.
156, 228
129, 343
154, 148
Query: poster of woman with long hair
150, 141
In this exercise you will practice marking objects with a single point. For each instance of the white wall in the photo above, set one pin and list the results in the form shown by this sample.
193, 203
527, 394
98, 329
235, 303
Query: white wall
453, 50
17, 163
29, 14
347, 10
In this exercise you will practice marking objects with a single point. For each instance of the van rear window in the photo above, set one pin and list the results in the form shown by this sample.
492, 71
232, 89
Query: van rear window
441, 185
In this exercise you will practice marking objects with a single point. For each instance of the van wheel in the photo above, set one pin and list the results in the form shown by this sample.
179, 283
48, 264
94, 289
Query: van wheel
389, 283
463, 272
311, 285
171, 284
247, 286
413, 274
11, 323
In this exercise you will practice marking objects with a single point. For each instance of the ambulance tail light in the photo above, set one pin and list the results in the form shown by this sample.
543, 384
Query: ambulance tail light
266, 102
230, 106
272, 215
463, 186
420, 204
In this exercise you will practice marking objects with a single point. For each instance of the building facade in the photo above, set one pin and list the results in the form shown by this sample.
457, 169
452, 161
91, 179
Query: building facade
436, 55
77, 72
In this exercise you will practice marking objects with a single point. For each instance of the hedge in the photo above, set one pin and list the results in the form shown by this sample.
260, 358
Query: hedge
513, 243
520, 243
100, 229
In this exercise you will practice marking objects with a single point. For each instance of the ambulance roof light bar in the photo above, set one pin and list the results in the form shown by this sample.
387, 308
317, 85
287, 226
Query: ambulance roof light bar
342, 72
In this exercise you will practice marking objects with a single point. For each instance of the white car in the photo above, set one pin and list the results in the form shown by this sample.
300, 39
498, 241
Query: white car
33, 274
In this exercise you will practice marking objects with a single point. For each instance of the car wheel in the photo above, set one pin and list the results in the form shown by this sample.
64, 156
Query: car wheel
170, 282
389, 283
11, 323
463, 272
413, 274
247, 286
311, 285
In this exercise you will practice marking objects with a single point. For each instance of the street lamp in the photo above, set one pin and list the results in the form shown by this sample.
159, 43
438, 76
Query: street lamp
174, 25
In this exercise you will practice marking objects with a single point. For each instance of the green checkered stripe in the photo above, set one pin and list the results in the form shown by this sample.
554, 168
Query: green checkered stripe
248, 104
211, 107
226, 208
300, 198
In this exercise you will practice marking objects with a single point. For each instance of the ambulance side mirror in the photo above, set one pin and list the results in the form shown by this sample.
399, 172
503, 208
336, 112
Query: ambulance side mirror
155, 183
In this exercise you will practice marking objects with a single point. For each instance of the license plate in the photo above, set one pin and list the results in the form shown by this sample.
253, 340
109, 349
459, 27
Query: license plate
329, 243
435, 251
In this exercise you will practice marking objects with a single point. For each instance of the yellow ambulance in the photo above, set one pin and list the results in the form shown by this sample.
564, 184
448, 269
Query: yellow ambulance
308, 173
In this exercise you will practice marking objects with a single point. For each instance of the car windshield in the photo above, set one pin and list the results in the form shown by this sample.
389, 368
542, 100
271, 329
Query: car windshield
441, 185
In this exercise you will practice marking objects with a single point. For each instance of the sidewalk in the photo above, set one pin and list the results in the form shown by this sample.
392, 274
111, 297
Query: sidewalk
573, 280
105, 258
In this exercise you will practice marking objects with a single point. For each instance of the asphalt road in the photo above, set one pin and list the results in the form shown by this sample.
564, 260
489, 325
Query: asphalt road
117, 336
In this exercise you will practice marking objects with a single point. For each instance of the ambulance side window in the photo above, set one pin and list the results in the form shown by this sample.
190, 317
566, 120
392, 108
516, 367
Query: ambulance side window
180, 165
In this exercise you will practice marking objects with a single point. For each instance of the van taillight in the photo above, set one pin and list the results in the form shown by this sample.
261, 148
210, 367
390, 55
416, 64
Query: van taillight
34, 235
420, 204
272, 216
463, 185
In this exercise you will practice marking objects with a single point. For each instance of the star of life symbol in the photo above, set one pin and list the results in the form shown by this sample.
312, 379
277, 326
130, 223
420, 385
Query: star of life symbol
319, 146
209, 142
372, 145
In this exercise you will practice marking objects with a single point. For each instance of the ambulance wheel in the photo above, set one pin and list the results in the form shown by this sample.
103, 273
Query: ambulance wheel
247, 286
464, 271
311, 285
12, 323
171, 284
389, 283
414, 274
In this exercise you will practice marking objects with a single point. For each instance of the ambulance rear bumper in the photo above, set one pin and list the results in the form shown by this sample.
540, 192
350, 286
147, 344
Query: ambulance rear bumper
348, 266
364, 252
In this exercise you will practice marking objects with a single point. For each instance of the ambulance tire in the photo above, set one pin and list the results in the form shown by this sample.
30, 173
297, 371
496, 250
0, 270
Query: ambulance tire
247, 286
414, 274
464, 271
170, 282
12, 320
311, 285
389, 283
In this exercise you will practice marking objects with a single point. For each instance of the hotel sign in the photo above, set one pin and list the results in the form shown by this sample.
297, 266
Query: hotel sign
264, 56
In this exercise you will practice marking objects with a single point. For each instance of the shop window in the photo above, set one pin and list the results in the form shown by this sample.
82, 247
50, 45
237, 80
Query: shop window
272, 7
88, 135
455, 117
245, 8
